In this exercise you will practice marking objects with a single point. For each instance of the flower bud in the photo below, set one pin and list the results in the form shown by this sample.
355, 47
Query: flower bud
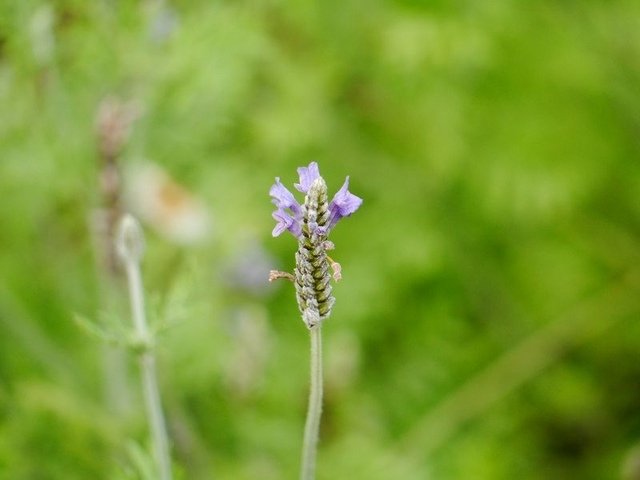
129, 239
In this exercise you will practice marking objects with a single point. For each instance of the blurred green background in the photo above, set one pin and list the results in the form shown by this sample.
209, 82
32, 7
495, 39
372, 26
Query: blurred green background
486, 326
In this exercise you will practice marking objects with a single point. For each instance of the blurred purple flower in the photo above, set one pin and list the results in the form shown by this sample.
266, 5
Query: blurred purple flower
289, 212
247, 268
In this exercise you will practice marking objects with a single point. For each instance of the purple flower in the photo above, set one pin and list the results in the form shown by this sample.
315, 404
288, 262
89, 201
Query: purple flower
285, 222
344, 203
283, 198
289, 212
307, 176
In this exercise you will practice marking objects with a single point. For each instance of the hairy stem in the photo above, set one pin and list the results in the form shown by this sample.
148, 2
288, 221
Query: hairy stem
314, 412
147, 362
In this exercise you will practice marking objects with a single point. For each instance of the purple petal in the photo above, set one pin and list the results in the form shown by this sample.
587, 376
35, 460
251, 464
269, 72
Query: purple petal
285, 222
283, 198
344, 203
307, 176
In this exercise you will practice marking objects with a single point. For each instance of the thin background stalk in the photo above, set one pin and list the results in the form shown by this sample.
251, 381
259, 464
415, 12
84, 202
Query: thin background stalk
314, 412
130, 232
114, 119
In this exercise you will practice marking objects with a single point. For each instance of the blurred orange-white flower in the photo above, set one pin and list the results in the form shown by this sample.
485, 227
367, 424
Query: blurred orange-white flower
165, 205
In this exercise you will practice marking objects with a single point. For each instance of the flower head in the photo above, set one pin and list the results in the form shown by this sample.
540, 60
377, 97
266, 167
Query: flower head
289, 213
310, 223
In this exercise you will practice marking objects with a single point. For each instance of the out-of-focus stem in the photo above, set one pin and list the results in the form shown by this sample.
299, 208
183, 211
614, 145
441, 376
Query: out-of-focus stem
130, 249
113, 124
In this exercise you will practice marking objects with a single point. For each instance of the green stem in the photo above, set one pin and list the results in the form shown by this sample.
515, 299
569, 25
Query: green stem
148, 372
314, 412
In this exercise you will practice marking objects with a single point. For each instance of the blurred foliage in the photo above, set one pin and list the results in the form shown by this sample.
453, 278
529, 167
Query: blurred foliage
486, 326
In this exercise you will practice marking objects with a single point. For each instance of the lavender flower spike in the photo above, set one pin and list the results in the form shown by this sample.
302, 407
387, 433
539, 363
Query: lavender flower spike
310, 224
